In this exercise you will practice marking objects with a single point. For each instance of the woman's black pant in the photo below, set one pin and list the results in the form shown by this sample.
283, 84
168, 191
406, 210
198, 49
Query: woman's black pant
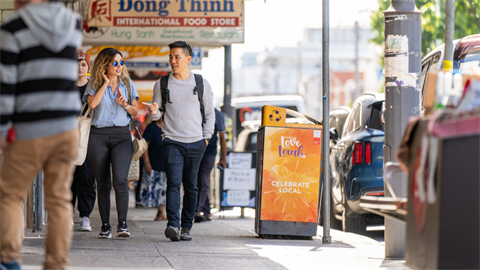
111, 145
83, 189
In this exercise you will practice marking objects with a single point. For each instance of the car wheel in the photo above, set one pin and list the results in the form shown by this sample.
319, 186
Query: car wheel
356, 225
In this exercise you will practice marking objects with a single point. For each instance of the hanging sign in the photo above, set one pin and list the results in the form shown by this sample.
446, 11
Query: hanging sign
175, 13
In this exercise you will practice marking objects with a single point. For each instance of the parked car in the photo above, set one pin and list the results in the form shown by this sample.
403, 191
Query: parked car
356, 164
466, 58
337, 121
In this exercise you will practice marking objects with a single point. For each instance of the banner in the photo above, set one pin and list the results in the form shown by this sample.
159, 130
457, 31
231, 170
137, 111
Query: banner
291, 174
146, 57
165, 13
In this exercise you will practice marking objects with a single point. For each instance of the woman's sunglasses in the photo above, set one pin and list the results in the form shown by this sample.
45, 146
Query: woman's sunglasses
115, 64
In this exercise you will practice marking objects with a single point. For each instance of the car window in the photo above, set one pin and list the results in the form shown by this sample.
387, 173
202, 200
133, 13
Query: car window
375, 120
471, 63
251, 143
353, 121
434, 66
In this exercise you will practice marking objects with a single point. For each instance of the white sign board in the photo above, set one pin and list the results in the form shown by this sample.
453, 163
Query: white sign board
162, 35
240, 160
238, 197
239, 179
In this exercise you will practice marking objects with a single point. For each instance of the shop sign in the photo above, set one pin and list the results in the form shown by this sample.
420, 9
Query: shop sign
165, 13
163, 35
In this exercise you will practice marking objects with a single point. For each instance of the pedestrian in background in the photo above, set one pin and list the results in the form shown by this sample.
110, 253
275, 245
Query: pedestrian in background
186, 134
38, 45
206, 166
138, 185
83, 185
114, 98
154, 180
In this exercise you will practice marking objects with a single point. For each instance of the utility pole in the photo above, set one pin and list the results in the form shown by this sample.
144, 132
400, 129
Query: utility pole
449, 30
403, 52
357, 74
326, 239
227, 108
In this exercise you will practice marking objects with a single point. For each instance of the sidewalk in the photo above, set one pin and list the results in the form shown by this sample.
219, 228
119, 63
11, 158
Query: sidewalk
224, 243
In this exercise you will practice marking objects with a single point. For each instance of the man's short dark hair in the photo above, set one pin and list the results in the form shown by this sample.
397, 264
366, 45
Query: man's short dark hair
181, 44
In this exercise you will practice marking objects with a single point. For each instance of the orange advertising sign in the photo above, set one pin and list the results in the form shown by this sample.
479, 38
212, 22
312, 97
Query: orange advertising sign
291, 174
165, 13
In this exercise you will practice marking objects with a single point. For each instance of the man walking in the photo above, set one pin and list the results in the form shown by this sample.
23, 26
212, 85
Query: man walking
206, 166
38, 97
188, 125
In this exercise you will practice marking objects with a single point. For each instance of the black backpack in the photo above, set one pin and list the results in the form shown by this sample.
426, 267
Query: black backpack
166, 94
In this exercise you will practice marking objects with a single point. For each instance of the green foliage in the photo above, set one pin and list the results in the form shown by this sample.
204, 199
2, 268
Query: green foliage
467, 21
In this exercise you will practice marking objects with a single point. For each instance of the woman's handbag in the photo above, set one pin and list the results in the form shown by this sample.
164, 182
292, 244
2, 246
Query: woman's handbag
84, 124
133, 171
139, 146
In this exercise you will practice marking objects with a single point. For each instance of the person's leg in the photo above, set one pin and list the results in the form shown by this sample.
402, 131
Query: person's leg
173, 158
159, 192
121, 156
193, 157
74, 189
58, 171
203, 183
21, 162
86, 191
99, 159
138, 188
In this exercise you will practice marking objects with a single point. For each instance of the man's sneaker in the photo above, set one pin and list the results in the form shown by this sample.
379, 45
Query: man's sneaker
185, 234
173, 233
106, 231
85, 224
11, 265
122, 230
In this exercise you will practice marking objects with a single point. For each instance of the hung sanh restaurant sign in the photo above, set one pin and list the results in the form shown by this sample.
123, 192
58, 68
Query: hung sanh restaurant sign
128, 22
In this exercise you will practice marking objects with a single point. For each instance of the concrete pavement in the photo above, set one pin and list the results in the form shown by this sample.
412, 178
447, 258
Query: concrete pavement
224, 243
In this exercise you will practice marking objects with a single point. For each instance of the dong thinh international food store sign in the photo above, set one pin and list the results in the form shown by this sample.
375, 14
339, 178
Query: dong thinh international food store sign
128, 22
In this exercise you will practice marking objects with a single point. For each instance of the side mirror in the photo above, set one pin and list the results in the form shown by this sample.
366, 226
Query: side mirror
334, 135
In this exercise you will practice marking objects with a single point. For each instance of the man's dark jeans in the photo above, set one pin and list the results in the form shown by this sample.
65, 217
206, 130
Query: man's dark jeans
182, 161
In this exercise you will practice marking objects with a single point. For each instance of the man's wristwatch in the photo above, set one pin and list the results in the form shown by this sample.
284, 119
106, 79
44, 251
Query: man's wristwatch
208, 140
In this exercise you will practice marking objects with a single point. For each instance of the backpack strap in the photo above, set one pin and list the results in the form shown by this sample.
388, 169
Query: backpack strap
199, 88
165, 93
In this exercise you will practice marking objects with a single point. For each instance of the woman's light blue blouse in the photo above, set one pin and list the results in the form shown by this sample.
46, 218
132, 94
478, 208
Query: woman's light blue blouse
109, 113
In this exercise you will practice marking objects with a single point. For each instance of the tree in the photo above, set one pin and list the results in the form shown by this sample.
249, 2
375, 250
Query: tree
467, 21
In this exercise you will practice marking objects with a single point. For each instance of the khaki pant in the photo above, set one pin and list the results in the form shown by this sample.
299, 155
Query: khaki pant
21, 162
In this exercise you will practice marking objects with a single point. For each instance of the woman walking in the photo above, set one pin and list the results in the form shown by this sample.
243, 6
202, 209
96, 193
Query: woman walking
83, 185
114, 98
154, 180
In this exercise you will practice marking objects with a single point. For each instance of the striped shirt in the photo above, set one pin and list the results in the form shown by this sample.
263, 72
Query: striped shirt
183, 120
38, 71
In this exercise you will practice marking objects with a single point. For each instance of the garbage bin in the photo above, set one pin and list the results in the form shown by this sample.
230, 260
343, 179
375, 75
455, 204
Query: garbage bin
288, 174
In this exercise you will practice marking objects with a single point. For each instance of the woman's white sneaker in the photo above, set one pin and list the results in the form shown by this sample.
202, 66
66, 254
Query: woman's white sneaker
85, 224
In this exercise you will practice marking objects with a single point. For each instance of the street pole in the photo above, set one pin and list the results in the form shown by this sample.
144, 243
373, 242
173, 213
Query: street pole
449, 30
357, 73
327, 239
227, 108
403, 52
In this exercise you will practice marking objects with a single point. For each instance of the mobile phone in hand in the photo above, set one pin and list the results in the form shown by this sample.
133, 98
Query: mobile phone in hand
219, 166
